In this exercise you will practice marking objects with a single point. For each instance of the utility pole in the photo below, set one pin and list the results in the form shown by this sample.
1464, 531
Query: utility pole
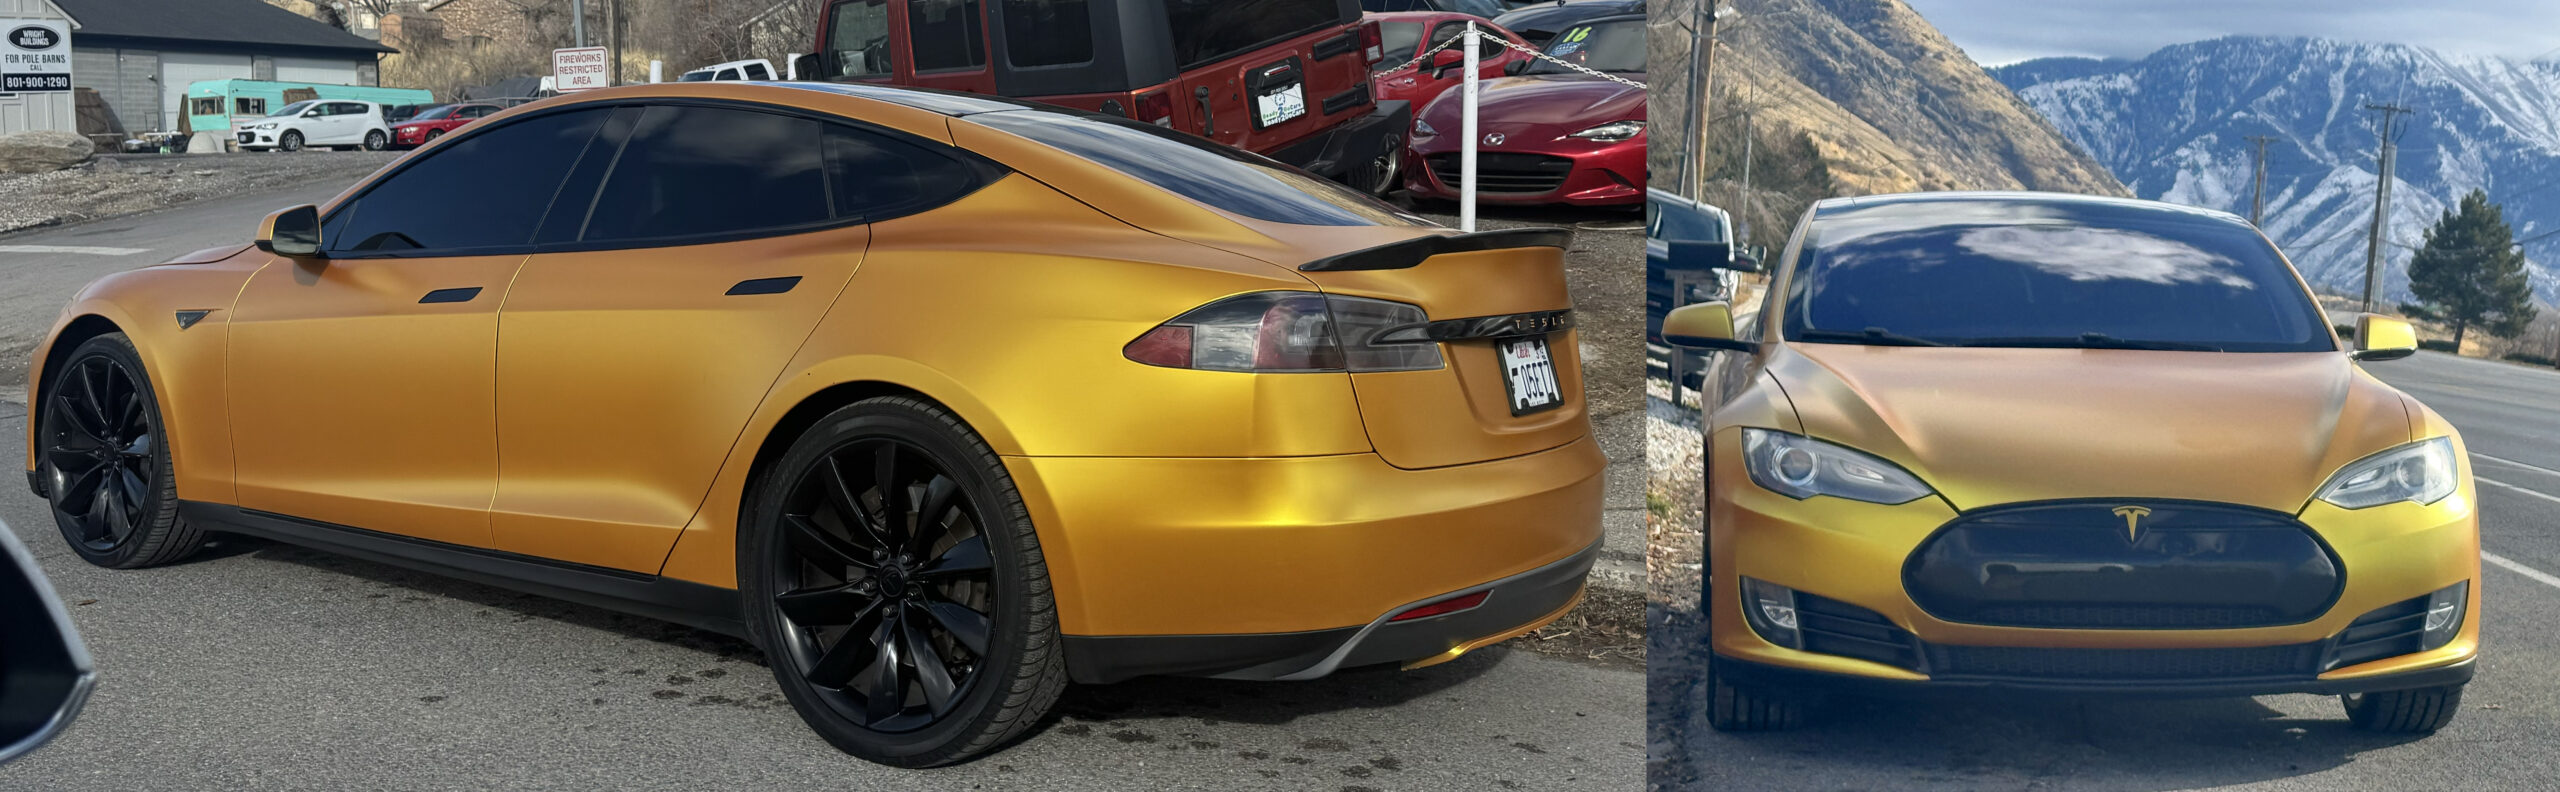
613, 41
578, 22
2389, 134
1743, 207
2258, 203
1702, 55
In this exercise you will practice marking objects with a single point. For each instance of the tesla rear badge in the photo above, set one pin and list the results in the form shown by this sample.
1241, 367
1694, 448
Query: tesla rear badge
1494, 139
2132, 521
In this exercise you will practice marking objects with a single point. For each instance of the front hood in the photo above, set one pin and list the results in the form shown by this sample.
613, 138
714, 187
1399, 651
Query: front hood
1994, 426
1542, 100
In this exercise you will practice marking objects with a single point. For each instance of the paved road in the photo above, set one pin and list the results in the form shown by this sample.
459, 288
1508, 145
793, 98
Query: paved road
271, 667
2507, 737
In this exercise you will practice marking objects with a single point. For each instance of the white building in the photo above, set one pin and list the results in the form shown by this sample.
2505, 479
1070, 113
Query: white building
27, 110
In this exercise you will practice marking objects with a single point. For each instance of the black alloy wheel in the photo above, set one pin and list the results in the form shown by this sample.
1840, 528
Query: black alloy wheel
105, 466
892, 576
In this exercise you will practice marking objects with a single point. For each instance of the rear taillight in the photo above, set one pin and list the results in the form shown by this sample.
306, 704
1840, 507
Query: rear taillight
1155, 108
1373, 42
1288, 331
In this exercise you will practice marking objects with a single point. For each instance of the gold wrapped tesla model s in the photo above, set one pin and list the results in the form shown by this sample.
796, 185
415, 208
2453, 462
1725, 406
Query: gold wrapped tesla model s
1985, 443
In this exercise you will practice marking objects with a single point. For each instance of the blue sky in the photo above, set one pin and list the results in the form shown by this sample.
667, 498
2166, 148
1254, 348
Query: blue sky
2006, 31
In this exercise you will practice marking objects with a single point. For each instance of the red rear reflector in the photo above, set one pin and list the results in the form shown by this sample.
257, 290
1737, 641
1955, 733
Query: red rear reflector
1167, 345
1442, 607
1155, 108
1373, 42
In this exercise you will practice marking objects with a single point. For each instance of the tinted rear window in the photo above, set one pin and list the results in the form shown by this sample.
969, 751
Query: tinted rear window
1211, 30
2047, 274
692, 171
1221, 176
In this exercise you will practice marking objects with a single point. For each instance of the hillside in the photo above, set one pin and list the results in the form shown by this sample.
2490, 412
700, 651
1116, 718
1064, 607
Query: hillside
2174, 126
1873, 97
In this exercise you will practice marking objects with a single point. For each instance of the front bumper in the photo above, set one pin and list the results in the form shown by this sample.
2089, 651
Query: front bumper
1855, 560
1567, 171
1266, 567
1350, 152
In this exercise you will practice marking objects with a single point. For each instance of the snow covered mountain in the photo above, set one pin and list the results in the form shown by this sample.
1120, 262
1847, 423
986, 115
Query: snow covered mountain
2175, 124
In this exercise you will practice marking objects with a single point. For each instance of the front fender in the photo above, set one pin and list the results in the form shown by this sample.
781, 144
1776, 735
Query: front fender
185, 364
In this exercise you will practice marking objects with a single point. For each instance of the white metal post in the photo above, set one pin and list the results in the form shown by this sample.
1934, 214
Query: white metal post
1467, 133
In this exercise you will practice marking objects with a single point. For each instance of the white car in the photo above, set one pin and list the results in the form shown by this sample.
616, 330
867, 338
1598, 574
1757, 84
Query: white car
757, 69
340, 124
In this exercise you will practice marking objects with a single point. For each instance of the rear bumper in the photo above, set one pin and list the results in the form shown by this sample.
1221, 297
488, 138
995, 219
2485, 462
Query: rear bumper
1215, 566
1513, 606
1346, 152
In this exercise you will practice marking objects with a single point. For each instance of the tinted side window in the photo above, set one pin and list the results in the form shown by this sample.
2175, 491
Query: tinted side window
1209, 30
878, 176
1047, 32
945, 34
702, 170
488, 190
858, 40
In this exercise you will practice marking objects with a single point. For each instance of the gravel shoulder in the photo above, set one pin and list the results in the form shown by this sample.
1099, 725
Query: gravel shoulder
115, 185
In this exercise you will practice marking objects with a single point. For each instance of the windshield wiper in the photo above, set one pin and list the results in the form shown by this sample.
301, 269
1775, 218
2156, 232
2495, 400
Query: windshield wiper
1873, 336
2091, 341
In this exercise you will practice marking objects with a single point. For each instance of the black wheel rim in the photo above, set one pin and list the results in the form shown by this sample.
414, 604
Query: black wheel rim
100, 452
887, 582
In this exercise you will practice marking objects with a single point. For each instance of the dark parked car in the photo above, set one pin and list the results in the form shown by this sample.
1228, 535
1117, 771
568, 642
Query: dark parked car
1689, 257
1540, 22
45, 672
1487, 9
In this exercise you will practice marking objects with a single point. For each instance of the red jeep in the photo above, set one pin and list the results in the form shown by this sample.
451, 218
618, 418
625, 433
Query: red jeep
1288, 79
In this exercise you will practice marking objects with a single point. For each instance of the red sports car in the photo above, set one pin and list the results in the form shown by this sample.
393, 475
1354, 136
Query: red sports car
1407, 34
433, 123
1550, 134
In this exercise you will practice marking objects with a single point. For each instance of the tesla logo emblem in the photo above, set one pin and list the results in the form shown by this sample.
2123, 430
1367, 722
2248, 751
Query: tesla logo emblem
2132, 521
1494, 139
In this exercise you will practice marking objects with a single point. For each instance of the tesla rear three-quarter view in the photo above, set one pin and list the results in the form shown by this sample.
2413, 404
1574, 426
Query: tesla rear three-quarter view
1977, 444
943, 401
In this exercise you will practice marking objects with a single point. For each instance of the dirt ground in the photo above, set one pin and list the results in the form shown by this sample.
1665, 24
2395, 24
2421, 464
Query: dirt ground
114, 185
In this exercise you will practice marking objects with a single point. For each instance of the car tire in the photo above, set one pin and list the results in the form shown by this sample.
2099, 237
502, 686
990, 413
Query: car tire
289, 141
432, 134
827, 575
105, 465
2418, 711
1734, 708
375, 140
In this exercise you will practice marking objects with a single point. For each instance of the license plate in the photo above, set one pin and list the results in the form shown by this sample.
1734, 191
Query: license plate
1529, 375
1281, 105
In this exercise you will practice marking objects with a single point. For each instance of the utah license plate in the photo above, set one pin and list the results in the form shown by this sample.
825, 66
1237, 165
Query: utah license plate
1529, 375
1281, 105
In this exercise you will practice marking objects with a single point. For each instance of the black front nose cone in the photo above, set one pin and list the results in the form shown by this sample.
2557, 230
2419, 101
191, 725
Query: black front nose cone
2130, 564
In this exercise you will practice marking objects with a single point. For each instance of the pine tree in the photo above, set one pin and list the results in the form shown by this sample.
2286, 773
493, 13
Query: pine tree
2470, 273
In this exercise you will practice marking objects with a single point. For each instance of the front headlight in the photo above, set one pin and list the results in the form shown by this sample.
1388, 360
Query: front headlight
2422, 473
1421, 127
1612, 132
267, 125
1801, 467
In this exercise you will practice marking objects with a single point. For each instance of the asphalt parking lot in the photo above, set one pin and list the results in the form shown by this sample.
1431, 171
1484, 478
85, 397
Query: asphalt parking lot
266, 666
2507, 736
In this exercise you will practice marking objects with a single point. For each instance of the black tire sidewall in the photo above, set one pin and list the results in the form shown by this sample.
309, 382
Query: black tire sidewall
161, 502
289, 141
1011, 607
375, 141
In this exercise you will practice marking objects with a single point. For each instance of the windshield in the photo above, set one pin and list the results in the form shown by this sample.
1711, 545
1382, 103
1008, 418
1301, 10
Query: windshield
436, 113
2028, 273
293, 109
1614, 47
1483, 8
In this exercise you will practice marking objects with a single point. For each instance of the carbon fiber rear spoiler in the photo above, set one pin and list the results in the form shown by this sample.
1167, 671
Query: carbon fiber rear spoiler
1411, 252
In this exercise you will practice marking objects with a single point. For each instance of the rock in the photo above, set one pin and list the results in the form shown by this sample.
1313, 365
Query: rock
206, 143
42, 151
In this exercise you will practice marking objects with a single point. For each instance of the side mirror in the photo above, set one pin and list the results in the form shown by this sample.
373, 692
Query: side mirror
1706, 325
46, 667
293, 233
2384, 338
1446, 61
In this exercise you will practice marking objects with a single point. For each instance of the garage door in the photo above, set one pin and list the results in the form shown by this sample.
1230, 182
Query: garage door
315, 71
180, 69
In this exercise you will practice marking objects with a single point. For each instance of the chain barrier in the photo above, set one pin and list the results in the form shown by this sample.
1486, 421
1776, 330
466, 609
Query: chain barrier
1532, 52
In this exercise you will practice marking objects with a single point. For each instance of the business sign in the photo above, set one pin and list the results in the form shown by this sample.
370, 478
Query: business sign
35, 55
580, 69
